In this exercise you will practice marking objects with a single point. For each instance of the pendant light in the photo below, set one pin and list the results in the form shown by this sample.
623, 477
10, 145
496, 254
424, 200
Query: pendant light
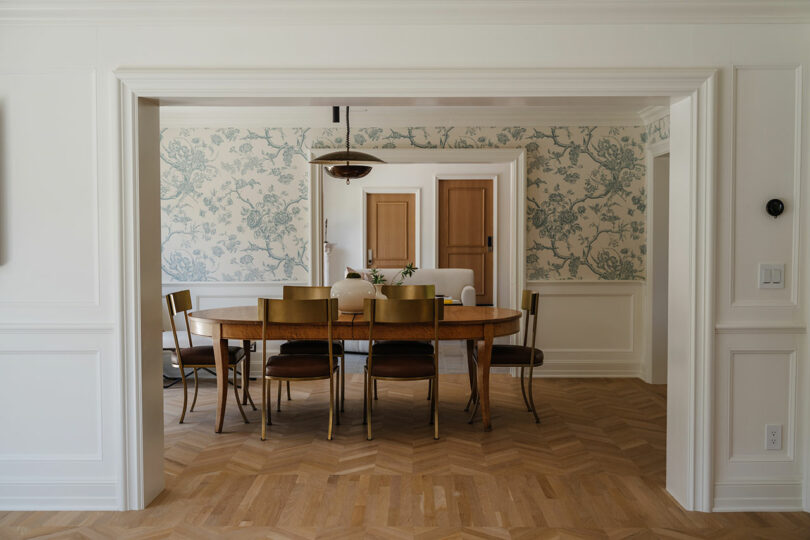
347, 164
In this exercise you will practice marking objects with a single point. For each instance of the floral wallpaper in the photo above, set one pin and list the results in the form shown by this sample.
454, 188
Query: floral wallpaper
235, 207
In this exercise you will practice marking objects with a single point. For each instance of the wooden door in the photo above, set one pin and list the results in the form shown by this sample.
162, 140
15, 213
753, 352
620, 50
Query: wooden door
390, 229
466, 231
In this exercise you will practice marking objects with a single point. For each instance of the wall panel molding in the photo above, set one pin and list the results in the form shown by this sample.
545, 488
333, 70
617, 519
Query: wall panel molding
789, 431
794, 205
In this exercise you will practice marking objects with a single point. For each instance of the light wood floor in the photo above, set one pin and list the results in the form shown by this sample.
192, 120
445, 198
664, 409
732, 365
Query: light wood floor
594, 468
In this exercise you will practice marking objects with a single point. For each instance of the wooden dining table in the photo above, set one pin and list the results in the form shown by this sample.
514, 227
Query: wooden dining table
470, 323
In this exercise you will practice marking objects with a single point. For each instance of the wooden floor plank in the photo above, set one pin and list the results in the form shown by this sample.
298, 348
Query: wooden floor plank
594, 468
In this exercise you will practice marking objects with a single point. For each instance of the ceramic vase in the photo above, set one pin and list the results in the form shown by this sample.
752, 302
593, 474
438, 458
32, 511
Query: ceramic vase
379, 295
351, 293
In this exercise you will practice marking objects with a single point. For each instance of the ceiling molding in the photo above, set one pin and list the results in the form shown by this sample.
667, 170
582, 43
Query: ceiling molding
320, 117
652, 113
402, 12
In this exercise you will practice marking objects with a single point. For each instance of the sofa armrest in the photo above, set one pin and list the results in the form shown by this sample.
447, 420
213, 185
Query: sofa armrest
468, 295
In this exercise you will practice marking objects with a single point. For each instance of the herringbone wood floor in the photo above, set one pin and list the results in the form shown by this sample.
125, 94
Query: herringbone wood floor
594, 468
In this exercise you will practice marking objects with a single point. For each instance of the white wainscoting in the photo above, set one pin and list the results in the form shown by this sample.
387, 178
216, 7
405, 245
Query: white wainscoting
758, 374
61, 438
590, 328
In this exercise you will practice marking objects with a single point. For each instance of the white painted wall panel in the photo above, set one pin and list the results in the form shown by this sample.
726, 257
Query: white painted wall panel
767, 122
63, 414
49, 204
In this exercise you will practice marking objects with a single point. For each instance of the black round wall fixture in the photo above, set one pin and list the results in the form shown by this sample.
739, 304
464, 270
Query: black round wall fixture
775, 207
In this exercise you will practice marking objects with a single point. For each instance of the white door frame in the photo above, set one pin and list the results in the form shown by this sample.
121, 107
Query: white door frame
521, 256
515, 157
652, 151
220, 85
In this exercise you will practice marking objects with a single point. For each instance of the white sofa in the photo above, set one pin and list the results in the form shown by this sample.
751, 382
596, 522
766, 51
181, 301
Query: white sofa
457, 283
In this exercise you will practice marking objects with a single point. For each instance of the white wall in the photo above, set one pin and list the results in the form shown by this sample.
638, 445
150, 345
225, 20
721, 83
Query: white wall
60, 274
343, 207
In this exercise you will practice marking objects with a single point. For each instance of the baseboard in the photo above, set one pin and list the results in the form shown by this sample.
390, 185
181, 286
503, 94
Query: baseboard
588, 369
61, 495
753, 496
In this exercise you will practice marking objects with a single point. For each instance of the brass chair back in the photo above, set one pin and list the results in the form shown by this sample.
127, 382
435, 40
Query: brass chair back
409, 292
179, 302
300, 292
397, 311
529, 303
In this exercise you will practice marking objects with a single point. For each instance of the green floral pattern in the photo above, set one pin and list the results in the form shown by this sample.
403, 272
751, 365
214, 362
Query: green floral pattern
234, 201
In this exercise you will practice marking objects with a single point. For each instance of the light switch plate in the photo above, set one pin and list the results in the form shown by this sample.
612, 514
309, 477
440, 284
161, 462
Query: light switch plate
771, 276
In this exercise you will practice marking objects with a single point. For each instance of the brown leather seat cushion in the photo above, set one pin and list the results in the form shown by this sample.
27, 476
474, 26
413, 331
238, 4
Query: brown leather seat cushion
515, 354
410, 348
203, 355
402, 366
299, 366
310, 346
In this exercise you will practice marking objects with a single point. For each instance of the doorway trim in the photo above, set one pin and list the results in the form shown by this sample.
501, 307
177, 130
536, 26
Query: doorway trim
652, 151
417, 201
496, 232
222, 86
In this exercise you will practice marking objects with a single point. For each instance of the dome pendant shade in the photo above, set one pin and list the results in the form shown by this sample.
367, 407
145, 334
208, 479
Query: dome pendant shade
347, 163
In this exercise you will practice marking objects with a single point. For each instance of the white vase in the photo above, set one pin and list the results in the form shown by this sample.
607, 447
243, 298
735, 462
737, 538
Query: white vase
379, 295
351, 294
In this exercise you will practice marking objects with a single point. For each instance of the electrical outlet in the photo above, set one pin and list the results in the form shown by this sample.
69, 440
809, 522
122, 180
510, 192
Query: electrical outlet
773, 437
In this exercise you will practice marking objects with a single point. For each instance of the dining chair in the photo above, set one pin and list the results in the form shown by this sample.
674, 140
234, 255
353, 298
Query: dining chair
406, 292
517, 356
298, 367
312, 346
201, 356
394, 366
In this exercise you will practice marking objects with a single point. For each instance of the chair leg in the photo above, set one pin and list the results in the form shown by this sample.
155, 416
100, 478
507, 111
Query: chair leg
435, 402
196, 387
265, 412
185, 394
531, 396
523, 390
375, 388
278, 401
236, 393
336, 408
331, 405
473, 391
343, 383
268, 406
476, 402
430, 389
432, 402
288, 391
246, 397
368, 401
365, 392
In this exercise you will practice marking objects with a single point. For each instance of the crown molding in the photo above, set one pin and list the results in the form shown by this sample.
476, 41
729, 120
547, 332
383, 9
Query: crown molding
401, 12
652, 113
320, 117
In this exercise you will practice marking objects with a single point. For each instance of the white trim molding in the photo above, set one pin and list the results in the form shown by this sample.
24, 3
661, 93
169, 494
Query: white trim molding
460, 87
421, 12
758, 495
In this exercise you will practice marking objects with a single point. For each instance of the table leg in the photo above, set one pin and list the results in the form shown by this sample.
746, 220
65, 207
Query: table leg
471, 371
484, 359
221, 359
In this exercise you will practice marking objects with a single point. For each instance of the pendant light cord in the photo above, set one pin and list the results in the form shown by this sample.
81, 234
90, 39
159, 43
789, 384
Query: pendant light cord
347, 131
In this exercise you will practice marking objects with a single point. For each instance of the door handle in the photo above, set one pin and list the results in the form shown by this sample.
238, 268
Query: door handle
370, 258
489, 243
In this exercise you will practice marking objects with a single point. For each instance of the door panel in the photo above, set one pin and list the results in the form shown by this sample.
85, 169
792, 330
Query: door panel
466, 231
390, 229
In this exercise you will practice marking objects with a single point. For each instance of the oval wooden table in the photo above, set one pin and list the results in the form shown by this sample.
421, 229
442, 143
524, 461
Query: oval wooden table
470, 323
